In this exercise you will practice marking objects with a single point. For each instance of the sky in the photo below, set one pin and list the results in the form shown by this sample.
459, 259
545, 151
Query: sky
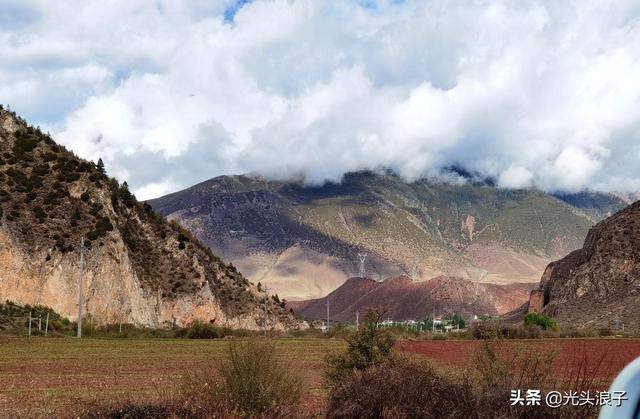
170, 93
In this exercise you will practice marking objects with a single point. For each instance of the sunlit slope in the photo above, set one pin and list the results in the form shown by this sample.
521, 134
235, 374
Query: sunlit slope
304, 240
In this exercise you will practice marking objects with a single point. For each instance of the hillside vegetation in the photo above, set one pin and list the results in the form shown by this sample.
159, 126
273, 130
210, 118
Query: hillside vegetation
139, 265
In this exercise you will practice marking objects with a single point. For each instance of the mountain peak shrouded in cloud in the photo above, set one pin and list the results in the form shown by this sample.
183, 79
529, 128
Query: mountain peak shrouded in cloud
531, 93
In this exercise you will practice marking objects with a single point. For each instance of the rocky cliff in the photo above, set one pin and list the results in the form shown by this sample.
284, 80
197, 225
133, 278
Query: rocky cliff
139, 267
599, 284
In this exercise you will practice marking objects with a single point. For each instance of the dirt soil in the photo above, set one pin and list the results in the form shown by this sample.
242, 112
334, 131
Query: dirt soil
606, 357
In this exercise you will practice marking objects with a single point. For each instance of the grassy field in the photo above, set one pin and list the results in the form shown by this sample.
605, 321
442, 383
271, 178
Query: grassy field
56, 377
42, 377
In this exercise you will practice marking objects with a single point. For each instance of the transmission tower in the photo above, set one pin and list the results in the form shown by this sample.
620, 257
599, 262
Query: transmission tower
414, 271
481, 274
363, 258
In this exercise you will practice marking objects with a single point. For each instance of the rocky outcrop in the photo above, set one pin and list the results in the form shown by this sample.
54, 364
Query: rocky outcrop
139, 267
598, 285
536, 301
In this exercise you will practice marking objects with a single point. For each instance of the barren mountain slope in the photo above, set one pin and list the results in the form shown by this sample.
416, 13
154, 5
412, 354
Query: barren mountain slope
140, 268
303, 241
405, 299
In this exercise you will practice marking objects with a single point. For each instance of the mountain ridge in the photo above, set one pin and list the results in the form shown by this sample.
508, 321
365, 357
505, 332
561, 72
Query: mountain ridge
303, 240
405, 299
140, 268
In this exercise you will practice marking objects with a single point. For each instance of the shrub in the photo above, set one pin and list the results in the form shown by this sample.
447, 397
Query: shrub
537, 319
499, 368
485, 330
367, 347
200, 330
255, 382
26, 141
605, 331
248, 382
400, 388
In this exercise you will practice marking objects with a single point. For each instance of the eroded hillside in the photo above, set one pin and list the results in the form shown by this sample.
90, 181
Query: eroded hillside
304, 241
140, 268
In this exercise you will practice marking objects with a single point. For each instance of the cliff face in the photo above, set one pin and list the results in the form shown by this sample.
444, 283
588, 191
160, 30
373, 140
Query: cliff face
139, 267
598, 285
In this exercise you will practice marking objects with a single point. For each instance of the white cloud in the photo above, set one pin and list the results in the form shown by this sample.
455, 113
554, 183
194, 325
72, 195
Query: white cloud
515, 177
169, 93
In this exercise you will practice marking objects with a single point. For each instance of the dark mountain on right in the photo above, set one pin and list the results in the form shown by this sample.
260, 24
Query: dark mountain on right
598, 285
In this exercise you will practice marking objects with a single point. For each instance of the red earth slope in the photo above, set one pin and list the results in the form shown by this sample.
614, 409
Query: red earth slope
405, 300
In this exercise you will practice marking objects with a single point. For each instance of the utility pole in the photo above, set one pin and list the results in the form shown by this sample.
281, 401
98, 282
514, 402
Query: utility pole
29, 324
266, 315
82, 250
433, 320
327, 315
46, 325
357, 320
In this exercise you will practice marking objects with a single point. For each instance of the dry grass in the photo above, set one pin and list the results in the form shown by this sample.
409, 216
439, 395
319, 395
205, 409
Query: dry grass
63, 377
66, 377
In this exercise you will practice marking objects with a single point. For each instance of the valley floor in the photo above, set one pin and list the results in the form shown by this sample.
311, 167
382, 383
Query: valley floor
55, 377
42, 377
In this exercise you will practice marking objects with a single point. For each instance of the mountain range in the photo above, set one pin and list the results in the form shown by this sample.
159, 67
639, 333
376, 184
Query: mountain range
303, 241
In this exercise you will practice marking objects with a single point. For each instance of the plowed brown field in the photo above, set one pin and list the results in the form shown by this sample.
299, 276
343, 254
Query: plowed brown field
604, 357
58, 377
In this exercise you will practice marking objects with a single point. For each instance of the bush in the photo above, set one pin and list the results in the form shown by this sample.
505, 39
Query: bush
248, 382
26, 141
498, 369
400, 388
367, 347
485, 330
200, 330
537, 319
256, 383
494, 329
